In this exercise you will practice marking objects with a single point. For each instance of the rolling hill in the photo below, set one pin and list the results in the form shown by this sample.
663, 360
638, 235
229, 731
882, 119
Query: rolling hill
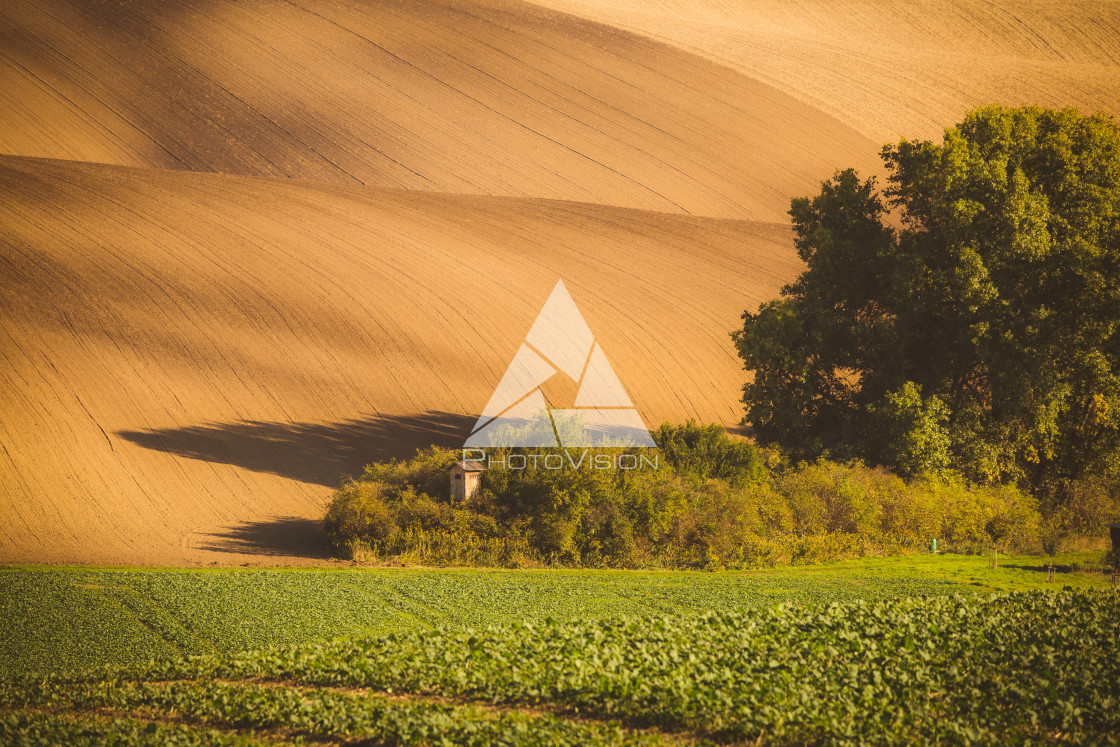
248, 247
191, 361
895, 68
477, 96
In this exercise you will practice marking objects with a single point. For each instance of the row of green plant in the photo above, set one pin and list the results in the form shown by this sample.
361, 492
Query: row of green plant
31, 729
1025, 667
311, 713
713, 501
54, 620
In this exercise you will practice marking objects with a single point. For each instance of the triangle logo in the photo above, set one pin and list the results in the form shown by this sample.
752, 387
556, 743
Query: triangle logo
559, 343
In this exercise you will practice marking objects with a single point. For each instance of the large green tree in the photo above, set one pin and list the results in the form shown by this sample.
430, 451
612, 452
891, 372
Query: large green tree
966, 316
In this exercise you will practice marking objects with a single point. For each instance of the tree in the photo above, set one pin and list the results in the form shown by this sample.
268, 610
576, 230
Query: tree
910, 432
981, 330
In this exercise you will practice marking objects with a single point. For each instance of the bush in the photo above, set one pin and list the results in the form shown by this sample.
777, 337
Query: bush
358, 515
827, 497
426, 472
1052, 536
973, 518
712, 503
1085, 506
708, 452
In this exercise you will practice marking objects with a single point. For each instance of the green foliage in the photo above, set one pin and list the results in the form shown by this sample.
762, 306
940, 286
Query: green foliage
911, 432
316, 713
974, 517
425, 473
711, 503
963, 670
707, 452
41, 730
66, 620
1052, 535
360, 513
981, 334
704, 497
398, 506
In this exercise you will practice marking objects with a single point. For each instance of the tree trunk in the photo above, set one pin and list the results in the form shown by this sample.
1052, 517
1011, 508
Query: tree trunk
995, 561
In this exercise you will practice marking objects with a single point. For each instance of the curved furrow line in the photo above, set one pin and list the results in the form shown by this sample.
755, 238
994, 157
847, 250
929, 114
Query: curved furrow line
482, 96
212, 351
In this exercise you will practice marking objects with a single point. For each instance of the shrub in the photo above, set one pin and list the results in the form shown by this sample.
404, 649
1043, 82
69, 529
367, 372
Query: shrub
828, 497
975, 517
708, 452
1052, 536
426, 472
1112, 559
712, 503
357, 514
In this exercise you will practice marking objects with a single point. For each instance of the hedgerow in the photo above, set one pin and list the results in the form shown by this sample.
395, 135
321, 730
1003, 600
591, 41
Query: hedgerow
712, 501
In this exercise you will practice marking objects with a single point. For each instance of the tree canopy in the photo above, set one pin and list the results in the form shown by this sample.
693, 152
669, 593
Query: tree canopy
965, 317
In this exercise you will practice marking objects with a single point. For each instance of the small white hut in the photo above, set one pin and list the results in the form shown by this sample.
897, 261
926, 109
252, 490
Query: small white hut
464, 479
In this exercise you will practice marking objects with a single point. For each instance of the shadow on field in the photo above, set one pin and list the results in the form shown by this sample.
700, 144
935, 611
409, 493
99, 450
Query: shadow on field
1058, 567
316, 453
281, 536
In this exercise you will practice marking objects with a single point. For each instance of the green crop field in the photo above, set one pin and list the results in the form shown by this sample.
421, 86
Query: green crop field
73, 618
892, 650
